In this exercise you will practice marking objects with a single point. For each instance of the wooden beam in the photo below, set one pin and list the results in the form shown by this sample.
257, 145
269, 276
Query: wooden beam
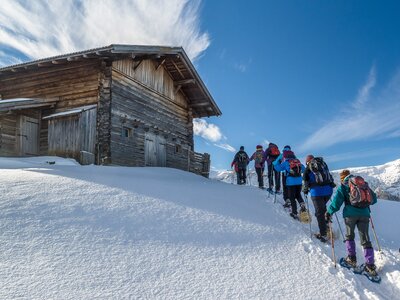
136, 65
177, 89
160, 63
185, 82
179, 71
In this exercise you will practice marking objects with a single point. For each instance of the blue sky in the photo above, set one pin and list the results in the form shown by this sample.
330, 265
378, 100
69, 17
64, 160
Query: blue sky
321, 76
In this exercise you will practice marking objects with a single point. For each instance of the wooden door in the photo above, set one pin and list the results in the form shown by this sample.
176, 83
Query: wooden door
155, 150
29, 136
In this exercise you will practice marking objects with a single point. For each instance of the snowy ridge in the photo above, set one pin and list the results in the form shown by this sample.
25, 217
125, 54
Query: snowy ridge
383, 179
91, 232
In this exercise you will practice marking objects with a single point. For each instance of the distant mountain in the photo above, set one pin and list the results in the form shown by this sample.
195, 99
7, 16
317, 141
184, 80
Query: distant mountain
383, 179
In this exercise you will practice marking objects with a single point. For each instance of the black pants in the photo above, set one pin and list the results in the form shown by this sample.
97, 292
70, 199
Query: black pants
294, 192
285, 190
320, 210
241, 176
273, 174
260, 178
362, 224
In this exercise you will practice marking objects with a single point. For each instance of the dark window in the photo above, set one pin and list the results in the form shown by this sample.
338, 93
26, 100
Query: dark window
178, 149
126, 132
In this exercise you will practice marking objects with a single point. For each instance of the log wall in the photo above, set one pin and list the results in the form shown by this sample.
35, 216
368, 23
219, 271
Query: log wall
72, 84
145, 101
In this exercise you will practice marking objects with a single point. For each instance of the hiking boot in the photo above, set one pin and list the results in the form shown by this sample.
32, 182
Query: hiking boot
351, 260
294, 216
287, 204
302, 207
322, 238
370, 269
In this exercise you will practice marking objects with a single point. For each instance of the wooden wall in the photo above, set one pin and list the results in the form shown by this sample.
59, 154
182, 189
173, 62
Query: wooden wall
71, 134
73, 84
144, 100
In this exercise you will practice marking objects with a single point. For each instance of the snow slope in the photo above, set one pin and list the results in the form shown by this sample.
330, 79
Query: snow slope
83, 232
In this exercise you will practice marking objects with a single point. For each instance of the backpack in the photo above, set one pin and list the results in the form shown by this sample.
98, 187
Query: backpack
242, 157
288, 155
273, 150
295, 167
360, 193
259, 157
321, 171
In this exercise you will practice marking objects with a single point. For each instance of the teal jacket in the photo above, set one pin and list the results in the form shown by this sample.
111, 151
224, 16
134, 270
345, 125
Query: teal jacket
342, 196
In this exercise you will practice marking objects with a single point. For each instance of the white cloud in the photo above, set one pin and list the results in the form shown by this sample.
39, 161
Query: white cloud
43, 28
366, 118
207, 131
212, 133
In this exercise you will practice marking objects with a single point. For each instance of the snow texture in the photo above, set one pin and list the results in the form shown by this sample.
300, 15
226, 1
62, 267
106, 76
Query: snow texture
93, 232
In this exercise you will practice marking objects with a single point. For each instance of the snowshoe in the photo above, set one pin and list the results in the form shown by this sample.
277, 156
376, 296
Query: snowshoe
305, 216
349, 262
369, 271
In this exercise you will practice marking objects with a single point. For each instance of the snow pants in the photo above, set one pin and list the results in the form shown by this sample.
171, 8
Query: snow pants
320, 210
273, 174
260, 178
362, 224
241, 176
294, 192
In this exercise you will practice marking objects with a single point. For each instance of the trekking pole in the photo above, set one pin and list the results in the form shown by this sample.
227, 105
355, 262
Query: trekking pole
373, 229
308, 211
332, 244
340, 228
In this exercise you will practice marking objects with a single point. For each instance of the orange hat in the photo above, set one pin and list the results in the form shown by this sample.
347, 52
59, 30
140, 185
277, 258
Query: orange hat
344, 174
309, 157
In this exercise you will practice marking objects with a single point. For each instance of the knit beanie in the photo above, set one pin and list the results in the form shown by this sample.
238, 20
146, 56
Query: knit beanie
344, 174
309, 158
259, 147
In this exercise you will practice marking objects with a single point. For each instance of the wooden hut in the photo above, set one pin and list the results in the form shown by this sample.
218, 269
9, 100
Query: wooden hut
121, 104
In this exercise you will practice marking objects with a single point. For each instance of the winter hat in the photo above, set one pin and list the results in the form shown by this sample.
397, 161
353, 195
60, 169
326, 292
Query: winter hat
241, 148
344, 174
309, 158
287, 147
259, 147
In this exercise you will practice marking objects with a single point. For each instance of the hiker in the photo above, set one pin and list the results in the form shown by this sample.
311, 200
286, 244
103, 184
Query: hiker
285, 190
271, 154
259, 161
293, 168
240, 161
354, 216
318, 181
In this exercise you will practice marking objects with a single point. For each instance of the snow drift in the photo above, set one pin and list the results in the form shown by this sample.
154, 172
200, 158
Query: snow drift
82, 232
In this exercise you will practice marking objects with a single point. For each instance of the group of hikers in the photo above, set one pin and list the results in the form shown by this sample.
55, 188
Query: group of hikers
315, 179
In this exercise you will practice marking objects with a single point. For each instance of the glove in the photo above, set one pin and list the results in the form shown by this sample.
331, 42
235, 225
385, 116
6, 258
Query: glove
328, 217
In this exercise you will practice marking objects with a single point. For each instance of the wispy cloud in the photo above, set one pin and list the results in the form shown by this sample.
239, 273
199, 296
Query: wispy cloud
366, 117
212, 133
226, 147
43, 28
364, 91
243, 66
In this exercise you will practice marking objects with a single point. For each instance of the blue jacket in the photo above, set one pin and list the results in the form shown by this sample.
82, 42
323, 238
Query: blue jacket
342, 196
315, 190
285, 167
